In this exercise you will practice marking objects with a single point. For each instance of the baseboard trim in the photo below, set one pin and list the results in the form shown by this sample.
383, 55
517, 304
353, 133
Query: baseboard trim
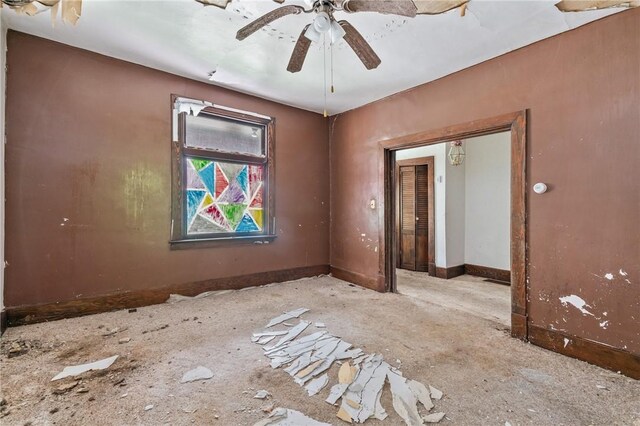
450, 272
74, 308
586, 350
487, 272
356, 278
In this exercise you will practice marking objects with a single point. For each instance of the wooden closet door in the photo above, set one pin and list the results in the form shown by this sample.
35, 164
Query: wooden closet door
422, 218
408, 217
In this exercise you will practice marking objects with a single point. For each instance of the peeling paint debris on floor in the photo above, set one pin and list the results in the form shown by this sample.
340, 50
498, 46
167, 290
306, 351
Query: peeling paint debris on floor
361, 377
76, 370
286, 417
198, 373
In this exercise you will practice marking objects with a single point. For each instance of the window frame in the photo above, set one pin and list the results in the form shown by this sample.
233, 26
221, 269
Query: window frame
180, 152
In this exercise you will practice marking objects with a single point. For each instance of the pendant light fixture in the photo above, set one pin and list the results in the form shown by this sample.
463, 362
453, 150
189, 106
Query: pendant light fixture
456, 153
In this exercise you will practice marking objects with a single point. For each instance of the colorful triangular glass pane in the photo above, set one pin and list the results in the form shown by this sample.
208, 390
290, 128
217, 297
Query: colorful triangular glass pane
194, 197
201, 225
199, 164
243, 180
193, 178
256, 214
214, 214
233, 213
221, 181
208, 200
207, 175
231, 170
255, 179
234, 194
247, 225
257, 199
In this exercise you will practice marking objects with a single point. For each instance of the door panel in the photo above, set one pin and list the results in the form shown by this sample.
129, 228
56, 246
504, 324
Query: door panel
422, 218
408, 218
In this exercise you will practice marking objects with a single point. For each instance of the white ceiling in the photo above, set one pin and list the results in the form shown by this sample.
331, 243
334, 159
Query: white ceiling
185, 38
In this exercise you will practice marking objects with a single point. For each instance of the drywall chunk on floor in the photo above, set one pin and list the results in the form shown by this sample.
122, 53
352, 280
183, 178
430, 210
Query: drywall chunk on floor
286, 417
83, 368
347, 373
198, 373
422, 393
286, 316
317, 384
435, 393
261, 394
292, 334
404, 401
360, 380
336, 393
433, 418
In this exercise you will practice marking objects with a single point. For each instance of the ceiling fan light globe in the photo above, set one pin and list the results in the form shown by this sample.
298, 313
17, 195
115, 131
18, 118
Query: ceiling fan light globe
322, 22
312, 34
336, 32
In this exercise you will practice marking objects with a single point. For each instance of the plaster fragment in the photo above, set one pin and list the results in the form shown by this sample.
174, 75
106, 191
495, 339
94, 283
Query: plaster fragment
404, 402
608, 276
346, 374
435, 393
422, 393
566, 342
261, 394
433, 418
286, 316
76, 370
317, 384
604, 324
336, 392
623, 273
198, 373
287, 417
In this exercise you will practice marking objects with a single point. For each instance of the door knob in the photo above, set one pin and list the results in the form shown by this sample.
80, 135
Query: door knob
417, 218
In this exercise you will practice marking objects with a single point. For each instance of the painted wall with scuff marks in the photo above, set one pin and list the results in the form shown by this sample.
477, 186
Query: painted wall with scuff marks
583, 95
89, 179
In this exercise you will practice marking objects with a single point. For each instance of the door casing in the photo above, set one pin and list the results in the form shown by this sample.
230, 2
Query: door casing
516, 123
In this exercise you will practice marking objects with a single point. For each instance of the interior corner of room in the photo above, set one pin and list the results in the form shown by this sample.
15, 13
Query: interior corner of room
319, 212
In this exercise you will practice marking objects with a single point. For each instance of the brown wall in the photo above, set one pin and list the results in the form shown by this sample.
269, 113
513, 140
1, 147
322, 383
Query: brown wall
582, 90
88, 139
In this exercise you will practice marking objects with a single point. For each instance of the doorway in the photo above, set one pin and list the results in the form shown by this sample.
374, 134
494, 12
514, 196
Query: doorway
515, 123
415, 213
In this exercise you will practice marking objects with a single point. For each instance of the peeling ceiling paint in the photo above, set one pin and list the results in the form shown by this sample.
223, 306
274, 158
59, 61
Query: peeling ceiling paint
185, 38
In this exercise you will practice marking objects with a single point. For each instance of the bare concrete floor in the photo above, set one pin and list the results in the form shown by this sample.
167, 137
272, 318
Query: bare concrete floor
487, 377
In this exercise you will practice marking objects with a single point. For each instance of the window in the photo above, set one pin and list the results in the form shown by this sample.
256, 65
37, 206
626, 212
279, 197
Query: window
222, 174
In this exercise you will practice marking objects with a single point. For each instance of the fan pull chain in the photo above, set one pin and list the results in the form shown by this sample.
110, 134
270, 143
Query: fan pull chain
324, 60
333, 90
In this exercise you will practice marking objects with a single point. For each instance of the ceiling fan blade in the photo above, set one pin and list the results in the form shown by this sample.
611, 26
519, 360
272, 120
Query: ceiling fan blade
435, 7
581, 5
388, 7
299, 52
219, 3
267, 19
360, 46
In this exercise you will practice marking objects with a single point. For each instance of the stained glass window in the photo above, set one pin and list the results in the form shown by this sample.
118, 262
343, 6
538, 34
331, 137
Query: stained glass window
222, 174
223, 197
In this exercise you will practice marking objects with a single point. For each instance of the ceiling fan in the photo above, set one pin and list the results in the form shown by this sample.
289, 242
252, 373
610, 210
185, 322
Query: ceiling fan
325, 24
